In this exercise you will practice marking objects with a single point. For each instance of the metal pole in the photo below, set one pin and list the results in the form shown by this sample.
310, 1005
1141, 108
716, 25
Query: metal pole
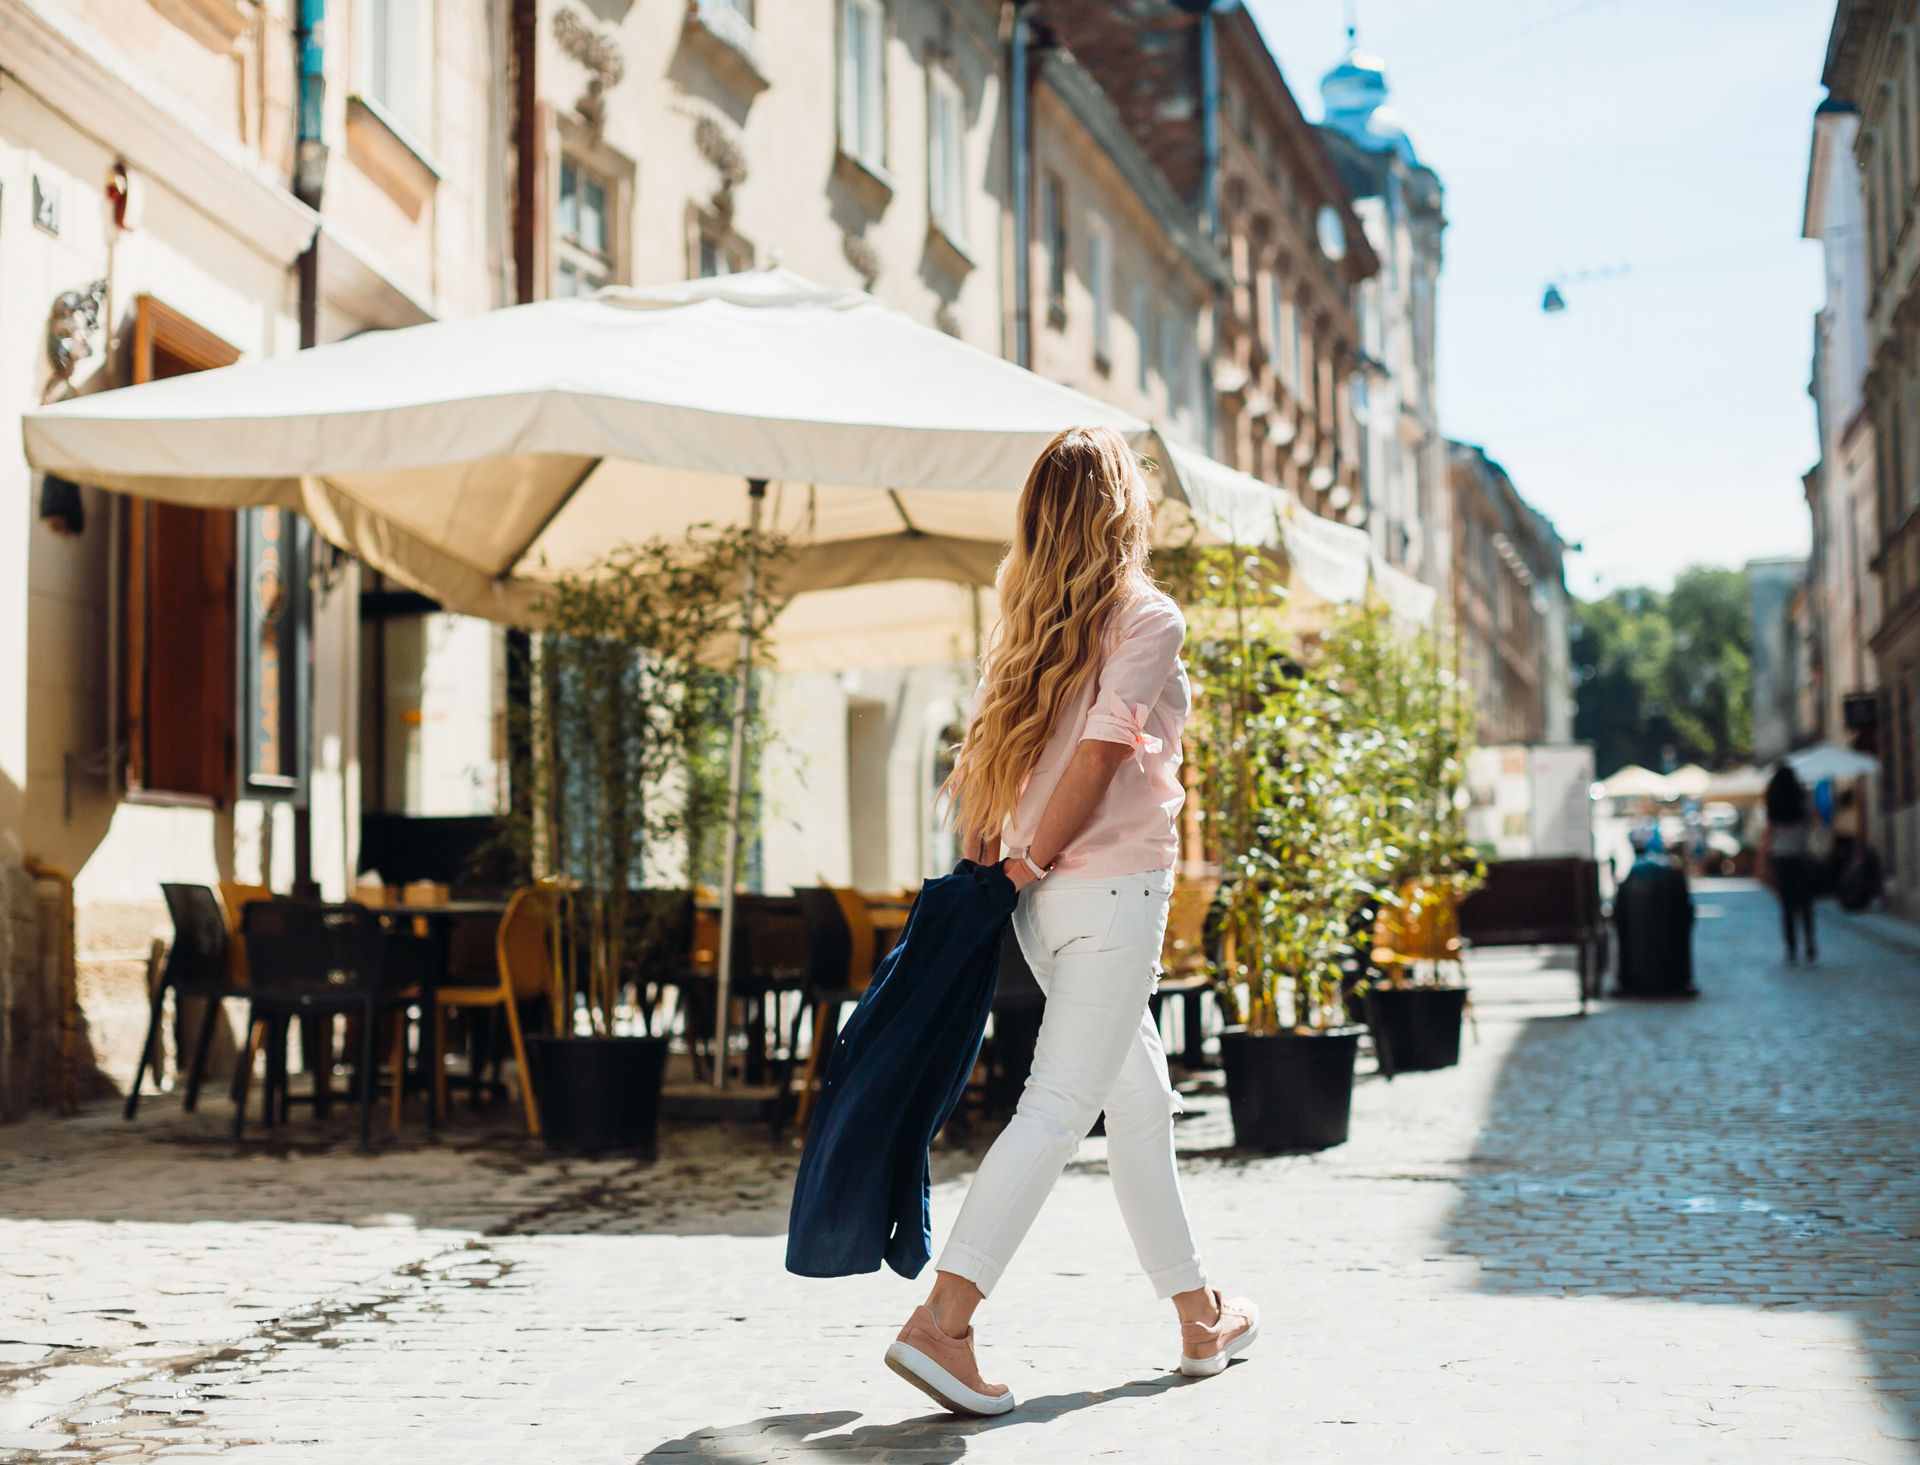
736, 777
1022, 196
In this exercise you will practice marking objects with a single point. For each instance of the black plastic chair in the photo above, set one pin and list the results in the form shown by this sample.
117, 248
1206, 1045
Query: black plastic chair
196, 968
308, 959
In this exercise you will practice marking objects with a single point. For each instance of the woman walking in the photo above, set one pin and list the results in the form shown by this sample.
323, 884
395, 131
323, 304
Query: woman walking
1069, 775
1788, 831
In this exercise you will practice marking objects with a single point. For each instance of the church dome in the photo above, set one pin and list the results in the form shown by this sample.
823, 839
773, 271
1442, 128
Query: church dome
1355, 98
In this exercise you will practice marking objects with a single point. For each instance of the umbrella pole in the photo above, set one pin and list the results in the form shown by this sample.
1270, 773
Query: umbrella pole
736, 778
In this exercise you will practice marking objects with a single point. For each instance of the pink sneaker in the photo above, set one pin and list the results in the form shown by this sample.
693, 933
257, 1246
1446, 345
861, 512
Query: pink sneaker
943, 1368
1205, 1348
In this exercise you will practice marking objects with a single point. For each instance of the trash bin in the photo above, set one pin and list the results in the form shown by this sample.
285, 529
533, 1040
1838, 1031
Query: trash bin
1653, 918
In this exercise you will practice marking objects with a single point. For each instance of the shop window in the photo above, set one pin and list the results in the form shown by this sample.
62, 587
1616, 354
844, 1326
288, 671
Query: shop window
180, 606
863, 92
946, 154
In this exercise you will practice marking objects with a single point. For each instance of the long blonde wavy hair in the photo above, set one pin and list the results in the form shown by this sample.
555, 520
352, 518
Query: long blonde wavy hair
1079, 553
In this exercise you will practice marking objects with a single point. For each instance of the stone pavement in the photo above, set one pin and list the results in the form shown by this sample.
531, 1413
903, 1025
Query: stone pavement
1665, 1231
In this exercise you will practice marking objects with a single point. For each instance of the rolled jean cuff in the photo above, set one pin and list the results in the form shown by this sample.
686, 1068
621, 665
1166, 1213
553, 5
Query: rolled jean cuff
1186, 1276
976, 1266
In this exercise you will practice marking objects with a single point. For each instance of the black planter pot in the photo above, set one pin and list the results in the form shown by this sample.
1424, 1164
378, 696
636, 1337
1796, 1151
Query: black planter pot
1416, 1029
598, 1093
1288, 1091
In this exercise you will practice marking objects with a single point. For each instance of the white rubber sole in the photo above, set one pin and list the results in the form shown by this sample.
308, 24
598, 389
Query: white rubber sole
1206, 1368
940, 1386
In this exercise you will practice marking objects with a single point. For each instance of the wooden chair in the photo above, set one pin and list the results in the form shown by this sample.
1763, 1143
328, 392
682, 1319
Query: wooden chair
840, 944
1183, 963
1423, 925
521, 952
234, 899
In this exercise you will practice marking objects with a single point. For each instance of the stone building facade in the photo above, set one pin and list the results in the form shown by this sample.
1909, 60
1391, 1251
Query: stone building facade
1873, 67
1841, 600
183, 184
1205, 101
1509, 616
1403, 454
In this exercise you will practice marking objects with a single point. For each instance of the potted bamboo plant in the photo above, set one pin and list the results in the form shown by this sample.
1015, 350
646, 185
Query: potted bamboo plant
626, 723
1394, 679
1286, 815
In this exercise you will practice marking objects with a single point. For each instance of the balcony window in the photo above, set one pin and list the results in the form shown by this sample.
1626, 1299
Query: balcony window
1053, 227
393, 62
946, 154
1100, 286
863, 95
1142, 337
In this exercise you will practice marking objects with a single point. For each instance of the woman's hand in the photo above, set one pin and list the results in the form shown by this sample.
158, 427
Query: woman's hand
1018, 871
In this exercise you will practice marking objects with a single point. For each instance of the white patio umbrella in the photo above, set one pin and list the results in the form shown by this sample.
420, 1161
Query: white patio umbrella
1830, 761
475, 458
1633, 781
1691, 782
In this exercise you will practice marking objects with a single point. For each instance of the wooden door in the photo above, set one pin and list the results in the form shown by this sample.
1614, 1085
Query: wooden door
180, 608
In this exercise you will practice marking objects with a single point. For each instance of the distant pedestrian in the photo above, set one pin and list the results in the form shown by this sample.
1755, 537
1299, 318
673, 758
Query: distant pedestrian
1789, 831
1071, 771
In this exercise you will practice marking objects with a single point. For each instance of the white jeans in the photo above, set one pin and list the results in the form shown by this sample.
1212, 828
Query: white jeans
1094, 945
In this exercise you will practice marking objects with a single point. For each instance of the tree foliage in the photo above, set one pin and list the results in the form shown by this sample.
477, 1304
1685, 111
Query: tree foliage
629, 724
1328, 765
1665, 678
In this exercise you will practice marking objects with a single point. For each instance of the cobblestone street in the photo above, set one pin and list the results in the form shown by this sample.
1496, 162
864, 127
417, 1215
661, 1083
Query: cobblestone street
1677, 1232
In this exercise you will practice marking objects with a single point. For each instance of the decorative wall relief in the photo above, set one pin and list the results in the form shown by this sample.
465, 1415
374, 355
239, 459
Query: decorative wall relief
863, 257
729, 160
600, 55
70, 331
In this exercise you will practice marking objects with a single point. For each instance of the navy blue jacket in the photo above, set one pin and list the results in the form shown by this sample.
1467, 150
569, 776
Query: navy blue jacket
899, 1068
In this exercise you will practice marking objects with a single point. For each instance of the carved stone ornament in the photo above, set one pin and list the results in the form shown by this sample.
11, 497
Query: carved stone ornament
600, 55
70, 331
729, 160
864, 258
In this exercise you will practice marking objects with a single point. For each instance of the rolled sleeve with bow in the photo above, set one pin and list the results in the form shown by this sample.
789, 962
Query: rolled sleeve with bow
1138, 696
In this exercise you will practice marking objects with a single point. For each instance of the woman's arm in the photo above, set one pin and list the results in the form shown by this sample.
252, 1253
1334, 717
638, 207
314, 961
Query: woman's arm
1074, 799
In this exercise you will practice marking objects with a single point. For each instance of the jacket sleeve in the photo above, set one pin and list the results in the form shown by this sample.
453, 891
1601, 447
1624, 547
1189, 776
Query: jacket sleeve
1132, 675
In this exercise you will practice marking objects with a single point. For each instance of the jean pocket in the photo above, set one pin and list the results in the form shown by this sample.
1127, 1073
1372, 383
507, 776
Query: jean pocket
1077, 921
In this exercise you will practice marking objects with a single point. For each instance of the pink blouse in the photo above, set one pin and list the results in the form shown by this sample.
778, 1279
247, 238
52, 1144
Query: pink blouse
1138, 695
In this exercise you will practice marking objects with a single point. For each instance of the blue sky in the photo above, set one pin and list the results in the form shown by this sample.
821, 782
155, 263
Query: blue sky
1660, 148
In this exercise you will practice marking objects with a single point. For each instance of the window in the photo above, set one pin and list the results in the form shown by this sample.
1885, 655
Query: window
1170, 362
1906, 151
946, 154
1100, 286
863, 95
585, 253
1274, 314
713, 258
1053, 228
393, 71
1142, 336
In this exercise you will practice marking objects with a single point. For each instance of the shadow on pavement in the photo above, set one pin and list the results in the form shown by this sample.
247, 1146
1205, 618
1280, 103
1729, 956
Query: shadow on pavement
1758, 1146
933, 1439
